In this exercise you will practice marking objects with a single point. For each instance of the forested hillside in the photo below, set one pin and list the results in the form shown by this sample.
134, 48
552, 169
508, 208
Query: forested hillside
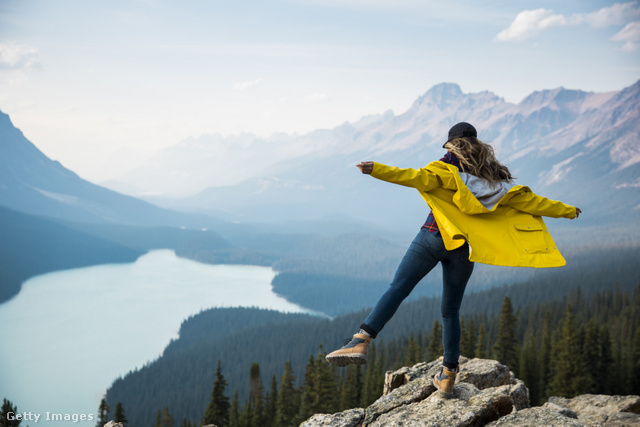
182, 379
32, 245
585, 346
567, 356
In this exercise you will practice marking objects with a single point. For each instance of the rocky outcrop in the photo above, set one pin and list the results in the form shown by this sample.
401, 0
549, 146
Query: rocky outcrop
486, 393
585, 410
537, 416
601, 410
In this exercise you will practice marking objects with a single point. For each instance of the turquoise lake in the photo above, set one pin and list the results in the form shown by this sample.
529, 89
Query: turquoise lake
67, 335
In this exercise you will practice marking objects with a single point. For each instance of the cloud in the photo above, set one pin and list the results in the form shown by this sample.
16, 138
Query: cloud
247, 85
617, 14
629, 36
530, 23
18, 57
632, 184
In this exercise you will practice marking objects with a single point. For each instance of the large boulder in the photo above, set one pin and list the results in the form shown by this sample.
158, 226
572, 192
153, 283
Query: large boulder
485, 391
483, 373
468, 407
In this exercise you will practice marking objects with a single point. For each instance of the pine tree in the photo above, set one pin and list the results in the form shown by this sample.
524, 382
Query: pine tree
435, 350
413, 352
481, 347
468, 338
7, 407
307, 396
256, 397
373, 378
529, 369
186, 423
103, 413
603, 377
463, 336
544, 364
635, 372
164, 418
569, 378
270, 403
246, 417
506, 348
351, 388
234, 414
218, 410
120, 416
617, 374
286, 407
591, 350
378, 379
325, 388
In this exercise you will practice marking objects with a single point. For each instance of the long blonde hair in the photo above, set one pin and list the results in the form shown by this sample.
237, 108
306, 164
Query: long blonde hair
478, 158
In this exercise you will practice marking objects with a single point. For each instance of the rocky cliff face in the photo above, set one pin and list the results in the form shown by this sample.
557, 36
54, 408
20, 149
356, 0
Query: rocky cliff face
486, 393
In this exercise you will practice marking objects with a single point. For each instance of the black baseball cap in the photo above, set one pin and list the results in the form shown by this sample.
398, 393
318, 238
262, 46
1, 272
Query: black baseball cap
460, 130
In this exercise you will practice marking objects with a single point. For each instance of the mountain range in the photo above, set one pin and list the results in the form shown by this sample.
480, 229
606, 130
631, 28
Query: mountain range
581, 147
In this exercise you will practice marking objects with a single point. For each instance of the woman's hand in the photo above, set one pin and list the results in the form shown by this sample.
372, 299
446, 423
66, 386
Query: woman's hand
365, 167
578, 212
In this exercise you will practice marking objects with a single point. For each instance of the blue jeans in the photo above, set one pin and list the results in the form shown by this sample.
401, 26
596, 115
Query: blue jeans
425, 252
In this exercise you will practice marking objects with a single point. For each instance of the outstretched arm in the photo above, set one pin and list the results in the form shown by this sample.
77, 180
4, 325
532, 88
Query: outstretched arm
422, 179
533, 204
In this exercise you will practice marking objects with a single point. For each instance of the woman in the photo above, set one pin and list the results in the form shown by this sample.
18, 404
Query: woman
478, 215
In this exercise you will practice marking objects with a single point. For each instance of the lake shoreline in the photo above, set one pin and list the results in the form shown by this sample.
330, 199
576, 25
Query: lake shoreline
74, 328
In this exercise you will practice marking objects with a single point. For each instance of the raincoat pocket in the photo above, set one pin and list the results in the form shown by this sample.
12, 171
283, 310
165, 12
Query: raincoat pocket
531, 238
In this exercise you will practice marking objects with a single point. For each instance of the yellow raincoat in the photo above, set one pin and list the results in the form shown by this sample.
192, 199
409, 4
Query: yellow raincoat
510, 233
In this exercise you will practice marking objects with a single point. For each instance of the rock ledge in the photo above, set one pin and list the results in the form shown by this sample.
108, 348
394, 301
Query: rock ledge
486, 393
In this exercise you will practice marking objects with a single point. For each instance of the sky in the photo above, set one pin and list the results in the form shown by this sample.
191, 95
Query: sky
100, 85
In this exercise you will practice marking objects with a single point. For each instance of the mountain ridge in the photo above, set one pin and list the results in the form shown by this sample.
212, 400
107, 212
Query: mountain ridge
427, 121
553, 139
33, 245
35, 184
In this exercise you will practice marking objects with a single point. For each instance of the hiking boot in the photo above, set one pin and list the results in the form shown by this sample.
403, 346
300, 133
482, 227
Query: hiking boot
444, 381
355, 351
